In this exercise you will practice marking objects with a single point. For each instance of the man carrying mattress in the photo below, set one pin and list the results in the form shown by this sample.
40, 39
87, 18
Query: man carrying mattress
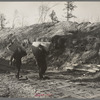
40, 51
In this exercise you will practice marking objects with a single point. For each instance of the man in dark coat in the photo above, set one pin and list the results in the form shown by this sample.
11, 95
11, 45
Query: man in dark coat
17, 55
40, 55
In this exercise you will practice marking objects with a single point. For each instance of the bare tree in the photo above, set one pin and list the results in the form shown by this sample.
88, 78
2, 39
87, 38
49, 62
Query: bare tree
69, 6
2, 20
23, 18
15, 17
43, 11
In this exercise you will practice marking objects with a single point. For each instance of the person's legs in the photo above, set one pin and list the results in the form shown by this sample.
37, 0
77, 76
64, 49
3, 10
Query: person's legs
40, 73
42, 67
18, 65
39, 67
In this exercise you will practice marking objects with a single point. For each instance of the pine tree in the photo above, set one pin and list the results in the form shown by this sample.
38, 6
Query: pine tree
53, 16
69, 6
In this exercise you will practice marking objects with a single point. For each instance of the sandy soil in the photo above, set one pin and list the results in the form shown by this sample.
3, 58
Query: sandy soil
70, 84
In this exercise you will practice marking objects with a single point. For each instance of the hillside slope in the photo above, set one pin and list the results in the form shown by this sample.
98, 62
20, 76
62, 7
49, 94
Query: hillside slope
84, 49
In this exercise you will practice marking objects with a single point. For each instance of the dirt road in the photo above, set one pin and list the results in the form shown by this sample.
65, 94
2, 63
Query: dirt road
70, 84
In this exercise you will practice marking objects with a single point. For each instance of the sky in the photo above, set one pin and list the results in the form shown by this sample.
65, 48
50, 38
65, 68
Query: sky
85, 11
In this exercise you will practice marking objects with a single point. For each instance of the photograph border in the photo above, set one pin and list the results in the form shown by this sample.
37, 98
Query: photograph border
1, 98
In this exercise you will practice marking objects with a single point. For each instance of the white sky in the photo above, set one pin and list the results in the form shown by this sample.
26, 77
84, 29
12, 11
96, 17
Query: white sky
85, 11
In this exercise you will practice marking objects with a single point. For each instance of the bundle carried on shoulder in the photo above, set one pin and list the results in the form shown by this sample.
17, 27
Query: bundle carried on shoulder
14, 45
44, 44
